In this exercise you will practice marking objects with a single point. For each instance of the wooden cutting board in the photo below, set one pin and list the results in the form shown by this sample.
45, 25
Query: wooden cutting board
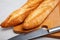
53, 20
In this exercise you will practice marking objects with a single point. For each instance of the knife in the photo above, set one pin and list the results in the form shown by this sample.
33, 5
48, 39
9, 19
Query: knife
35, 34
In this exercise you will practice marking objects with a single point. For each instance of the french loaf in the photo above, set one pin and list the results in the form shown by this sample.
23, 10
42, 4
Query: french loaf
20, 14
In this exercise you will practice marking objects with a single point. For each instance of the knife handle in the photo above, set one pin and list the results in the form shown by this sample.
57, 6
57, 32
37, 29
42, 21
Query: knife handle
55, 29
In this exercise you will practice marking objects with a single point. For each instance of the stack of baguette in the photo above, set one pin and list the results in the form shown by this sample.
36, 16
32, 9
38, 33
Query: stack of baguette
33, 15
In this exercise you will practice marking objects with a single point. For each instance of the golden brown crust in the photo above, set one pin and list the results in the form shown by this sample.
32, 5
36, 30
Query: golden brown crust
40, 14
20, 14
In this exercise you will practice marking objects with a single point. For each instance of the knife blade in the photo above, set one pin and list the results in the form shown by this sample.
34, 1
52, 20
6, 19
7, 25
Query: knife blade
37, 33
31, 35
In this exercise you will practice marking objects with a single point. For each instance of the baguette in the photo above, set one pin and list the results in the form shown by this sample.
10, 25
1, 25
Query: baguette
20, 14
39, 15
51, 21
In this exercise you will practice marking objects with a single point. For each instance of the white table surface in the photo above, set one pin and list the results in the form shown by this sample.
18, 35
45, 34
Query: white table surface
6, 7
